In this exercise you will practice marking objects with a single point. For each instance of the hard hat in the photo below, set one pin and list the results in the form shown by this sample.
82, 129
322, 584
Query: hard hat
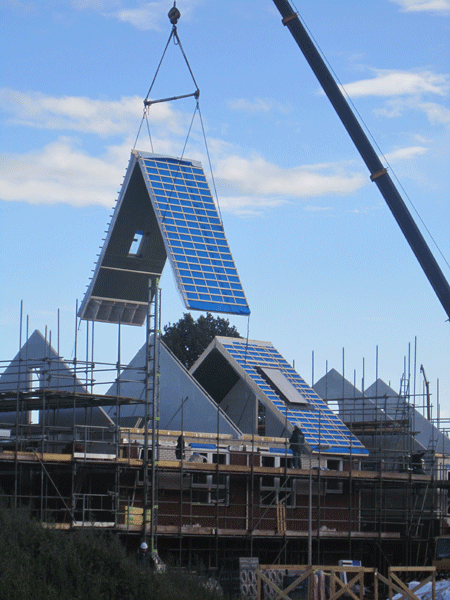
143, 546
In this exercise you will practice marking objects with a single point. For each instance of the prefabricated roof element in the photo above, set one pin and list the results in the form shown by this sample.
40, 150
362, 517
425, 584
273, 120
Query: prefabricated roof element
396, 407
37, 366
382, 404
183, 404
38, 360
353, 404
248, 360
165, 209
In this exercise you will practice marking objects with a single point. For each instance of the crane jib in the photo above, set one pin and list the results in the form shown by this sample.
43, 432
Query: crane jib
378, 172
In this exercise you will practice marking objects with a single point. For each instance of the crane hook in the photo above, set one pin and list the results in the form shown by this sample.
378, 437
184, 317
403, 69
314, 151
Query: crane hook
174, 14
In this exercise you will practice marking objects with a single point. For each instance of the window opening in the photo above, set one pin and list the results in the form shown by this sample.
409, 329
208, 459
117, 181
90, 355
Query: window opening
273, 488
35, 383
211, 488
261, 419
137, 239
334, 486
139, 244
141, 471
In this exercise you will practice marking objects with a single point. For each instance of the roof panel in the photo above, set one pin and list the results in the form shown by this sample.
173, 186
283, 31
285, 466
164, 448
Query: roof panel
167, 201
319, 424
193, 234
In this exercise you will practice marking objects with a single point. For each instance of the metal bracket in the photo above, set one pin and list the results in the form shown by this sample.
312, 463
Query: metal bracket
196, 95
378, 174
286, 20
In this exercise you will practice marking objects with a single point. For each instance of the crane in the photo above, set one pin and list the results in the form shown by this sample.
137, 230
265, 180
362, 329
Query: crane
427, 388
378, 173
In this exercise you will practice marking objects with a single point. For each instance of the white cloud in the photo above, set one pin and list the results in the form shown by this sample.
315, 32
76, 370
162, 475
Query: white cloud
151, 15
61, 173
93, 4
399, 83
24, 8
406, 153
321, 209
405, 90
249, 206
64, 172
436, 113
86, 115
421, 139
393, 108
364, 210
424, 5
257, 105
147, 17
258, 177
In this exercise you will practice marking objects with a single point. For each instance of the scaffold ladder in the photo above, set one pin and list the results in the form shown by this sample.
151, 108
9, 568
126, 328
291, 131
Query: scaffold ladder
401, 415
152, 374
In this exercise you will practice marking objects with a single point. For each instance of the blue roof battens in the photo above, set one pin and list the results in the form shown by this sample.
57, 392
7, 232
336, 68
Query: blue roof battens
323, 430
193, 234
200, 446
281, 451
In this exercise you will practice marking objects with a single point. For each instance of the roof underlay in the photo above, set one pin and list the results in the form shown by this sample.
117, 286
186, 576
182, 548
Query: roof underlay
227, 361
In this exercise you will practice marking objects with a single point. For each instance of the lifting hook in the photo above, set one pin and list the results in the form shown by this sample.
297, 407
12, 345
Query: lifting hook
174, 14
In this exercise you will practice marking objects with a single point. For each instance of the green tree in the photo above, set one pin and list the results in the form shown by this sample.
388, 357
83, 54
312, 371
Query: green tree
188, 338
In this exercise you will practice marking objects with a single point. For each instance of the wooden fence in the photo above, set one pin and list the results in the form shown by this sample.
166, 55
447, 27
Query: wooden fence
331, 583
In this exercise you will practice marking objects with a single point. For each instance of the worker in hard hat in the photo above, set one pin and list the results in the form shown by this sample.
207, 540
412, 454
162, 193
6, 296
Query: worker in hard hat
197, 458
143, 556
150, 559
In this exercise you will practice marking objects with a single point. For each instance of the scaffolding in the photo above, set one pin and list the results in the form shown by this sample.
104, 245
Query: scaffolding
227, 495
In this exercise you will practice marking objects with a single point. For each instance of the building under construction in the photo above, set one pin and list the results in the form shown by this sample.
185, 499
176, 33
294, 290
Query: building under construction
212, 476
199, 462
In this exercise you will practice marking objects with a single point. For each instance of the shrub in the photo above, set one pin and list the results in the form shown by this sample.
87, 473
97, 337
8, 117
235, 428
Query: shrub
44, 563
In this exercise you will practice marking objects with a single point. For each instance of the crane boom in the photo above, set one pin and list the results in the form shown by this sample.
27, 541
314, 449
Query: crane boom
378, 173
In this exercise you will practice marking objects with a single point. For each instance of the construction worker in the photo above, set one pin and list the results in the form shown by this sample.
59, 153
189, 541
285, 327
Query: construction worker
143, 556
150, 560
296, 444
197, 458
179, 450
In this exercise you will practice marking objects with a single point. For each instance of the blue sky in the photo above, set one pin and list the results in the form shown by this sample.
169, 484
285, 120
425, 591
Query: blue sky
322, 261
